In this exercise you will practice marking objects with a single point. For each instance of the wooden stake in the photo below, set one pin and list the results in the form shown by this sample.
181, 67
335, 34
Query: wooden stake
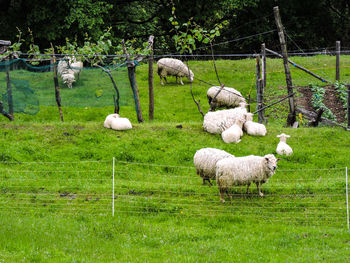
337, 52
55, 79
150, 79
292, 115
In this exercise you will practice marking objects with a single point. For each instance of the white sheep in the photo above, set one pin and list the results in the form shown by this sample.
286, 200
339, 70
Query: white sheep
68, 70
234, 133
218, 121
228, 97
115, 122
253, 128
244, 171
173, 67
205, 161
283, 148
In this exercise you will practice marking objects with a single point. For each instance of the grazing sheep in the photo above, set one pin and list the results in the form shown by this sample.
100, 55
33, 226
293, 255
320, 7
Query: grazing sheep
173, 67
234, 133
218, 121
244, 171
115, 122
205, 160
68, 70
228, 97
254, 128
283, 148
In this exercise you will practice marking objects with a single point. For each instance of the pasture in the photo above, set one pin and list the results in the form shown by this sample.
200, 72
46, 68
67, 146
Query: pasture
56, 180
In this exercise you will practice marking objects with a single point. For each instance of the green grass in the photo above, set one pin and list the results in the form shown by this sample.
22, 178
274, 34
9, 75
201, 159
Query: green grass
56, 181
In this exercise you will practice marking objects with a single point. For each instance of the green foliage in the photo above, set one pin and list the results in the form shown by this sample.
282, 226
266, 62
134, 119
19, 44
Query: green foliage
318, 101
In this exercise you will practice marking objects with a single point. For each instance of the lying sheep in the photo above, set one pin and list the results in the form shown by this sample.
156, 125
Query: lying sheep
67, 68
253, 128
205, 160
115, 122
283, 148
218, 121
173, 67
244, 171
228, 97
234, 133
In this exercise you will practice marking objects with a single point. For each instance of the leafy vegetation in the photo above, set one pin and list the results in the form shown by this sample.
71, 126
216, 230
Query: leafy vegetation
318, 101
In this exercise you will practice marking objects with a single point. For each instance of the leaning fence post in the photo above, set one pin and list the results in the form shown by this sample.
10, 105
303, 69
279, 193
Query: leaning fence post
113, 187
337, 53
347, 196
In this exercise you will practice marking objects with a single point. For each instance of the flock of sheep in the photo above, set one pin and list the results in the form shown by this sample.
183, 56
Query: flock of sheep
231, 123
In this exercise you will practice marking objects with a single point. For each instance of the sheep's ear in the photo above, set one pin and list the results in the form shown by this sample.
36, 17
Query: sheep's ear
267, 159
278, 136
288, 136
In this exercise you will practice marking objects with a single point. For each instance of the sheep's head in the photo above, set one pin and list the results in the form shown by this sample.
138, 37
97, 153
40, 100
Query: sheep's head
249, 116
283, 137
191, 76
243, 104
270, 163
68, 79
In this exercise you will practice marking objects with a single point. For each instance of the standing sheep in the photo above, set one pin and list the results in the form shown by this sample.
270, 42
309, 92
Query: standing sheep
283, 148
228, 97
205, 160
173, 67
244, 171
68, 70
218, 121
254, 128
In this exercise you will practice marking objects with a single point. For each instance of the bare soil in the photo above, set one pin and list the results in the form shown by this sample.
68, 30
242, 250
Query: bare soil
331, 101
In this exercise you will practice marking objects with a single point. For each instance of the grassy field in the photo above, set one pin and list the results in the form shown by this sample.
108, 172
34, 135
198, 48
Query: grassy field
56, 180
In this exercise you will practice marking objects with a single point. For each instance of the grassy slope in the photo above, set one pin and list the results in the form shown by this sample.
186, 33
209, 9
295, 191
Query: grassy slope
169, 224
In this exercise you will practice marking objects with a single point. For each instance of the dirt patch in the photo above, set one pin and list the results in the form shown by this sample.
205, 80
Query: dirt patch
331, 100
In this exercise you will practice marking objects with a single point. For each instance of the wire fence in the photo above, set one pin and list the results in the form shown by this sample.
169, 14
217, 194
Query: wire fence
300, 196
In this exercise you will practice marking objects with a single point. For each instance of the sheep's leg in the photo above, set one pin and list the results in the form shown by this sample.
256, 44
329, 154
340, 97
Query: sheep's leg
260, 193
161, 80
222, 192
166, 81
248, 189
181, 81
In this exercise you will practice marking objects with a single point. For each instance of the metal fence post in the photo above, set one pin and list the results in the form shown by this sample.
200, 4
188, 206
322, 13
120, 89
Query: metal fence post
113, 187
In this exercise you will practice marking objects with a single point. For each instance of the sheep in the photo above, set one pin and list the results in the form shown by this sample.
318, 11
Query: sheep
205, 160
115, 122
283, 147
68, 70
228, 97
173, 67
244, 171
253, 128
234, 133
217, 121
108, 121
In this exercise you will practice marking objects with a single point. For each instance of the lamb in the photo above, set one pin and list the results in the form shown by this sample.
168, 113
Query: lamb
234, 133
205, 160
228, 97
68, 70
244, 171
173, 67
253, 128
115, 122
218, 121
283, 147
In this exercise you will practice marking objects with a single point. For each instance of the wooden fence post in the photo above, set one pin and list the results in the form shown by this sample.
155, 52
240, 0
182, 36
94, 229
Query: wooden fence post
150, 79
291, 115
337, 53
348, 106
55, 79
259, 91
